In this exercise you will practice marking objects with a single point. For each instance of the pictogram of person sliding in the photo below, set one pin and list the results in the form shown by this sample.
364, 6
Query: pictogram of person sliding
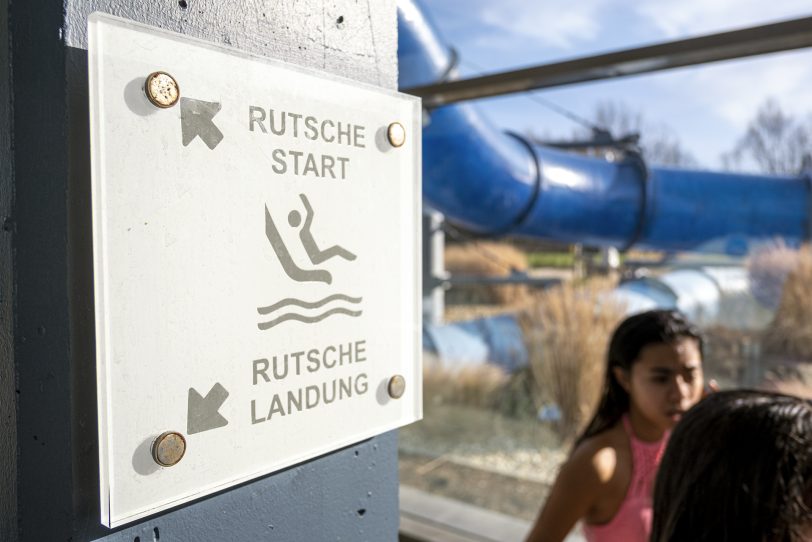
315, 254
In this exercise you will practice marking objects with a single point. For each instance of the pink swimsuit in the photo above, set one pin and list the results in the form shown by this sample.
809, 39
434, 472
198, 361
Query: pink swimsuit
632, 522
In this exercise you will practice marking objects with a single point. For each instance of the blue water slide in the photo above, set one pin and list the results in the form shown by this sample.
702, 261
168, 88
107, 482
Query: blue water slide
497, 340
496, 183
708, 296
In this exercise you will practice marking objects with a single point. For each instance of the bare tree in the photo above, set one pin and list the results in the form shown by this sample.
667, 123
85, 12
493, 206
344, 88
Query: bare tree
618, 118
661, 147
775, 143
658, 143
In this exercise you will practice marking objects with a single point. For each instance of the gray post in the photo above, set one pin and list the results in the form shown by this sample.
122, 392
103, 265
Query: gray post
49, 453
433, 267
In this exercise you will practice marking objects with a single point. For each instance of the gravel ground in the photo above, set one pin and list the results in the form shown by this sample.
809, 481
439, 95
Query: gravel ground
481, 457
505, 494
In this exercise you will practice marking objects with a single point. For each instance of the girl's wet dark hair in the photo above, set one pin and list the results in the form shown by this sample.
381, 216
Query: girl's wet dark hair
630, 337
738, 467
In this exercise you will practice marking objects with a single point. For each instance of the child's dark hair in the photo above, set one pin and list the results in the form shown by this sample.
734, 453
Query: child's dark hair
737, 467
630, 337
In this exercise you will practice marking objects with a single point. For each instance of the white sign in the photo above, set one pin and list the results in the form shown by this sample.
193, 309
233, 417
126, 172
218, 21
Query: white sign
256, 241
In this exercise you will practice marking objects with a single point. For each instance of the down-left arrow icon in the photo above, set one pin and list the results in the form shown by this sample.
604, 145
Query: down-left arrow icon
203, 413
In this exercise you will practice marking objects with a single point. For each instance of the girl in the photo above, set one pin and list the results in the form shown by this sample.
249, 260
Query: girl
654, 374
738, 468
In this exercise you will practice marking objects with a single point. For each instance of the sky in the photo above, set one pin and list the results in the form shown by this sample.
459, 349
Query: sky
706, 107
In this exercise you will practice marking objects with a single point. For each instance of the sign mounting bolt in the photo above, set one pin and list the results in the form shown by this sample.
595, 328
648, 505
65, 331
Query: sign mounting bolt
397, 385
396, 134
168, 448
162, 90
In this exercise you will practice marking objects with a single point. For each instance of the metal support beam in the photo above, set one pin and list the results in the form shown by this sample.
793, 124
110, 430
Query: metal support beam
433, 266
759, 40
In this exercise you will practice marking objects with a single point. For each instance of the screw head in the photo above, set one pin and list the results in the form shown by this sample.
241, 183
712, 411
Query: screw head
162, 90
396, 134
397, 385
168, 448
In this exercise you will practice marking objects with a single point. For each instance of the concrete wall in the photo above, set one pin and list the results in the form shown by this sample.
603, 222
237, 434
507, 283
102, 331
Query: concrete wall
362, 46
49, 470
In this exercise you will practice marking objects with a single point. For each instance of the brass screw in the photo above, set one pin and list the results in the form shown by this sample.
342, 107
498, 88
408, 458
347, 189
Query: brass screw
396, 134
162, 90
397, 385
168, 448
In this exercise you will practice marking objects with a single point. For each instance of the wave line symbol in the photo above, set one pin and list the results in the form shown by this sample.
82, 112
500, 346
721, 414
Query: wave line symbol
306, 304
287, 302
307, 319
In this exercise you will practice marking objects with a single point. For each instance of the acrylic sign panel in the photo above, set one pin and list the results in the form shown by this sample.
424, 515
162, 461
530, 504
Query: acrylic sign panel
256, 254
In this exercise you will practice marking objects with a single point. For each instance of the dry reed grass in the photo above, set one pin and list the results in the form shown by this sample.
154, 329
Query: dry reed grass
478, 386
793, 386
567, 330
789, 335
768, 268
458, 313
486, 259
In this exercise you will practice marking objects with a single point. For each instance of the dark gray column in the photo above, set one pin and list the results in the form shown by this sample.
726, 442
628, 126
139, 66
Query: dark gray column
8, 418
49, 471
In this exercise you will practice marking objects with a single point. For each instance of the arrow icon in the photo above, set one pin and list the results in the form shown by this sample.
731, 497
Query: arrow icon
196, 121
203, 413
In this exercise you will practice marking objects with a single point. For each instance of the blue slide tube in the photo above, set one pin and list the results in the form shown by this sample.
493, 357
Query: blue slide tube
494, 183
